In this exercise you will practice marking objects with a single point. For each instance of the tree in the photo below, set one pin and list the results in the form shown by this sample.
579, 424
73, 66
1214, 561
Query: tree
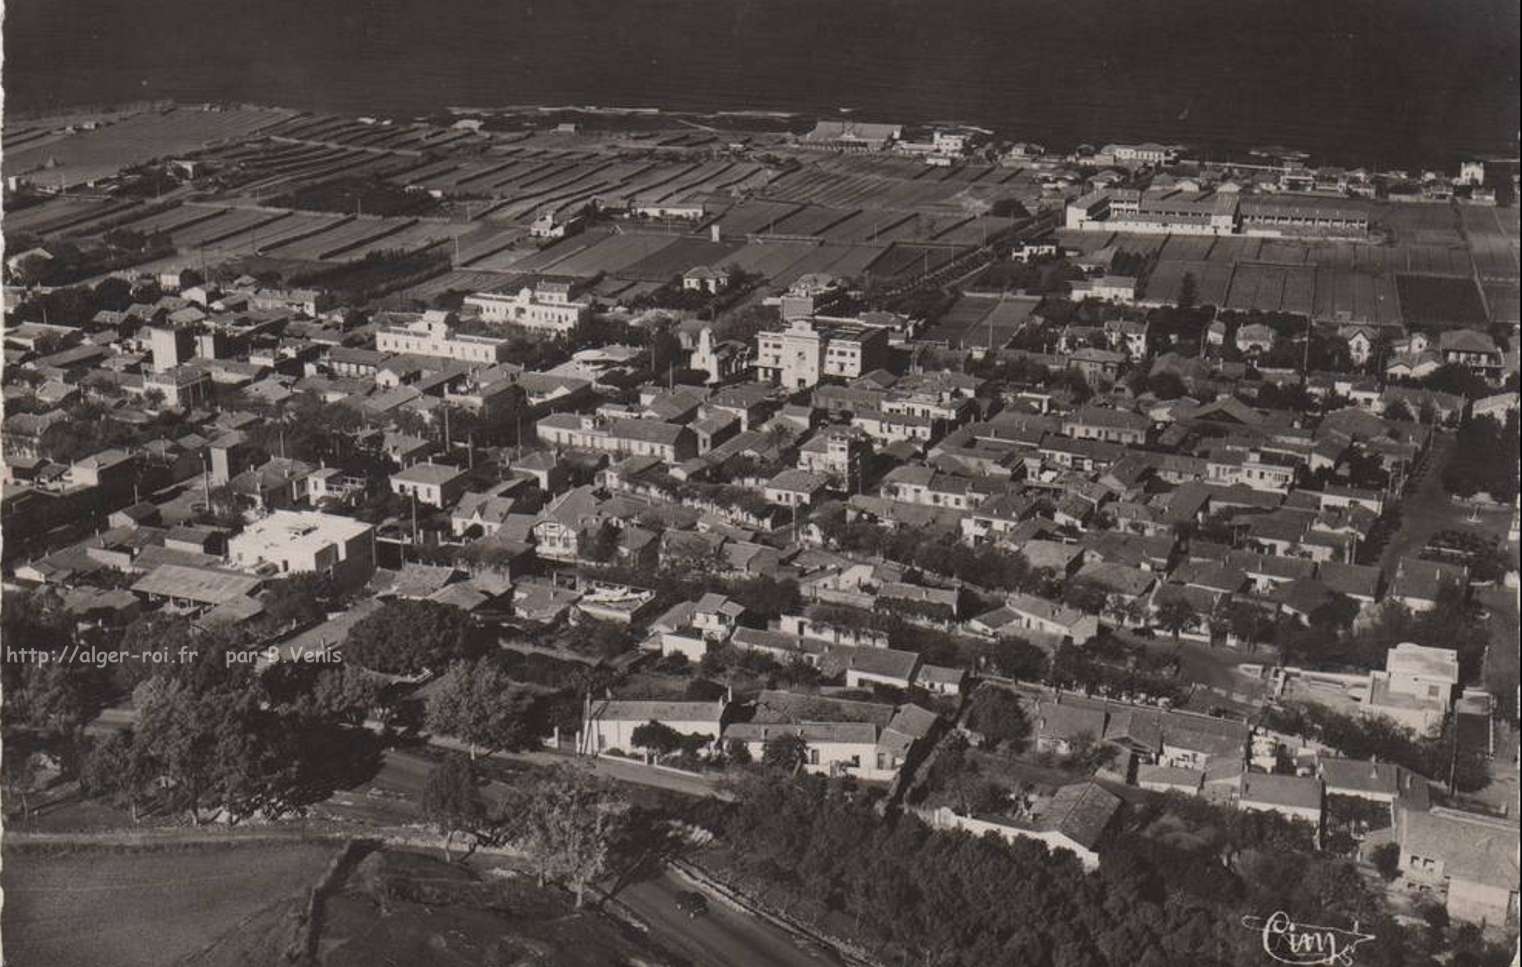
18, 773
118, 768
1248, 622
658, 737
479, 703
345, 695
1188, 291
452, 801
1177, 615
600, 545
297, 599
1398, 410
1166, 385
1386, 857
567, 823
737, 752
785, 753
217, 749
996, 714
408, 637
1085, 596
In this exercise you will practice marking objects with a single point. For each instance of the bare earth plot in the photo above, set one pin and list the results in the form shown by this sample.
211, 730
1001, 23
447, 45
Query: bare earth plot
108, 909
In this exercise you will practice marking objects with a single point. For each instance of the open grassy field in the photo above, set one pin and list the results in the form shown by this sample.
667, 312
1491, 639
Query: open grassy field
102, 908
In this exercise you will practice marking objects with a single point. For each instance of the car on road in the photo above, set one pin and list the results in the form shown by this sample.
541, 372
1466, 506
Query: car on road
692, 903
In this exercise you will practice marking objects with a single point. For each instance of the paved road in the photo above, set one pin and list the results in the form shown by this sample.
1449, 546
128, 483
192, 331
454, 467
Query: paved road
721, 937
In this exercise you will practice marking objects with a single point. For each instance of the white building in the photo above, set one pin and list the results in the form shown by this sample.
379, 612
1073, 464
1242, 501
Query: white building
1416, 687
182, 387
797, 356
549, 308
290, 542
609, 724
435, 484
434, 335
1297, 797
1110, 288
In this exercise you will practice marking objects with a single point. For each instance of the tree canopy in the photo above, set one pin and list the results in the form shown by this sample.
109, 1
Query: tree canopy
407, 637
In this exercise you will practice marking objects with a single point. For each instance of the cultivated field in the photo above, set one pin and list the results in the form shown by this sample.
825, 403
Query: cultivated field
85, 156
97, 908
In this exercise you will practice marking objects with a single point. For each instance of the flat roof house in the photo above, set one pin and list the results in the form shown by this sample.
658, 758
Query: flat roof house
435, 484
1473, 857
288, 542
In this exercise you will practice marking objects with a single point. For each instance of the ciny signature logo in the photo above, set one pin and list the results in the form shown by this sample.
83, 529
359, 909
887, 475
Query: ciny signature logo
1289, 942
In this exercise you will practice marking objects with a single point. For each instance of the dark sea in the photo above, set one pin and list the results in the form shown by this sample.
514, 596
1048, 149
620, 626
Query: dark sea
1384, 82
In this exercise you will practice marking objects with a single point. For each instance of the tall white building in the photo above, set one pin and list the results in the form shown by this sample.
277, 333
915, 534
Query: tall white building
797, 356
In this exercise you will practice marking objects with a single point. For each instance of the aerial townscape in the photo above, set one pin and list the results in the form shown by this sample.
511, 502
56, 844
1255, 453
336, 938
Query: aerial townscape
591, 537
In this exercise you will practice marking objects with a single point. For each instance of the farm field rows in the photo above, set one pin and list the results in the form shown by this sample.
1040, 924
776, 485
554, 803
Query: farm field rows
912, 260
1504, 301
299, 223
85, 156
460, 280
1272, 288
614, 253
235, 225
965, 313
813, 220
1211, 280
168, 221
756, 216
678, 257
57, 210
770, 259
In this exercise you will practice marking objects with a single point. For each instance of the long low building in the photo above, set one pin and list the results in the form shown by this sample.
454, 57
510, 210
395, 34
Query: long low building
434, 335
624, 437
548, 308
1302, 217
